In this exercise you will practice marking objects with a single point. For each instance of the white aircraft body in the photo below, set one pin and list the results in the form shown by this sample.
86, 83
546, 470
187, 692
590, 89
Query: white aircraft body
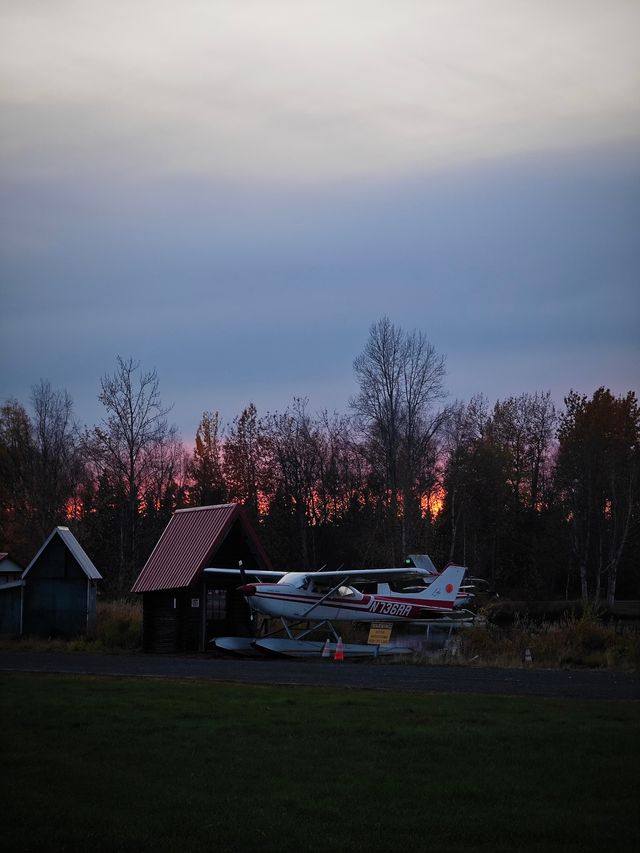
305, 595
358, 595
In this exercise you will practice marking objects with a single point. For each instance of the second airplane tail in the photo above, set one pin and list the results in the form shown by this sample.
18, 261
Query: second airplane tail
446, 586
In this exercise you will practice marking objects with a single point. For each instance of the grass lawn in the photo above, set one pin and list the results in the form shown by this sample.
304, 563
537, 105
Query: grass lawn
105, 764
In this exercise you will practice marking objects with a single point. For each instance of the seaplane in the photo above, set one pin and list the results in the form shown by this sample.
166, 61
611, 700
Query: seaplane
319, 598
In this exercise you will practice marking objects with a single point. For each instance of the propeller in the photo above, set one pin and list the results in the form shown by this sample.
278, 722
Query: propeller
246, 589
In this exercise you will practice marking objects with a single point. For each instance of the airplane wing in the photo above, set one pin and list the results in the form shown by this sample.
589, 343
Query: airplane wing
368, 575
249, 573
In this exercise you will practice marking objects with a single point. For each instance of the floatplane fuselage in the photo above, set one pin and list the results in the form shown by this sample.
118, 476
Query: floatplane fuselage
297, 596
318, 599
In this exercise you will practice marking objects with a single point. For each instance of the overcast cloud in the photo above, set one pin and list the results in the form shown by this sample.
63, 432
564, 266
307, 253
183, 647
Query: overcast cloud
233, 192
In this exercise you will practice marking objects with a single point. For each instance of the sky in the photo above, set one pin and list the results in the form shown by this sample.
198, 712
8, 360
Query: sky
232, 192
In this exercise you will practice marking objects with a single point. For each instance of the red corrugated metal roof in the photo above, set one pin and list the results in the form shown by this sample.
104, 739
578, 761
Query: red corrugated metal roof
187, 542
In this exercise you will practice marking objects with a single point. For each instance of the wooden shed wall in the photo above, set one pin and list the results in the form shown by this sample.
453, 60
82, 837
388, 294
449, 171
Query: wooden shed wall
184, 620
59, 599
180, 620
10, 609
169, 622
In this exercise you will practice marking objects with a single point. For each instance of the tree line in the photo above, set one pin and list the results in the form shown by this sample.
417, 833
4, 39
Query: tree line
540, 502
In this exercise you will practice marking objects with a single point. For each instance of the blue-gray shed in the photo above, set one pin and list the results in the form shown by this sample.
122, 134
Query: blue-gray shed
60, 588
11, 584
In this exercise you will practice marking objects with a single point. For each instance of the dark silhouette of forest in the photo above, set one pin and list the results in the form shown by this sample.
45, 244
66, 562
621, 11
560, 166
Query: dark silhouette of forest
542, 502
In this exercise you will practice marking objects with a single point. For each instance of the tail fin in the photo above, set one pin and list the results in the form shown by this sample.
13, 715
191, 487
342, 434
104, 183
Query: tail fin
445, 587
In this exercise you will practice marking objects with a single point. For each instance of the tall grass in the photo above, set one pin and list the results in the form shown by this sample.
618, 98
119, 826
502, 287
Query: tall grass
569, 642
118, 629
119, 624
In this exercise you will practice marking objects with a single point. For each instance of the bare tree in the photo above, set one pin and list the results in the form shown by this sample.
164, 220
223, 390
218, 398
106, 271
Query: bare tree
464, 428
247, 461
56, 458
597, 477
401, 379
208, 485
378, 408
134, 425
168, 467
340, 479
422, 387
541, 426
295, 447
16, 480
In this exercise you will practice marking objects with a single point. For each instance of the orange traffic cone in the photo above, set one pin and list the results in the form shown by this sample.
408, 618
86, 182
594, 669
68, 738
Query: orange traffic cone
339, 655
326, 651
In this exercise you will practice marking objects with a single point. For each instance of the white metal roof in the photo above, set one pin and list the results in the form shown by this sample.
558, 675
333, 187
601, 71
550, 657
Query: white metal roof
8, 565
11, 585
76, 549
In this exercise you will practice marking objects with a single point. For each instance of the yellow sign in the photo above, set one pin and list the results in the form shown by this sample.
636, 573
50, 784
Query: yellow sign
379, 633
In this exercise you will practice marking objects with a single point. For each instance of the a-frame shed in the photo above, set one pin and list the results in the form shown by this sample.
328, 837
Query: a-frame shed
60, 588
183, 608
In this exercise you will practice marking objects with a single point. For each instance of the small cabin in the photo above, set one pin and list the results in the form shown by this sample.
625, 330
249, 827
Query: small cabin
10, 570
11, 585
60, 589
184, 608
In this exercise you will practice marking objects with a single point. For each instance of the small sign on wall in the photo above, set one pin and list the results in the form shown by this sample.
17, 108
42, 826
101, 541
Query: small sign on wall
195, 602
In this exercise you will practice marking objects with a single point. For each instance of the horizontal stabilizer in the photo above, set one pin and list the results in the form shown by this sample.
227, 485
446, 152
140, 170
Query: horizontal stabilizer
423, 561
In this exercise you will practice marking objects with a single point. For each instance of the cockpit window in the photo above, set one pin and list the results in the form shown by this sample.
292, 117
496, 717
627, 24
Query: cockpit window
344, 591
340, 592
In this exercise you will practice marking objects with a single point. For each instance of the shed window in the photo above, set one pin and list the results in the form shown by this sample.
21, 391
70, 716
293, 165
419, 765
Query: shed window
216, 603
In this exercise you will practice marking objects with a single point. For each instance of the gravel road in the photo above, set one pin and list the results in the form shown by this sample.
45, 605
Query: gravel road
577, 684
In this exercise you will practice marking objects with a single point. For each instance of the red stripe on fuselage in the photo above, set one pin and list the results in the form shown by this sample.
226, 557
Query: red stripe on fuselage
363, 605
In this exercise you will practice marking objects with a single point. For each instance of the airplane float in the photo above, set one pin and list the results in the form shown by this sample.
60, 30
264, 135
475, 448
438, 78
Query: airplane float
409, 594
